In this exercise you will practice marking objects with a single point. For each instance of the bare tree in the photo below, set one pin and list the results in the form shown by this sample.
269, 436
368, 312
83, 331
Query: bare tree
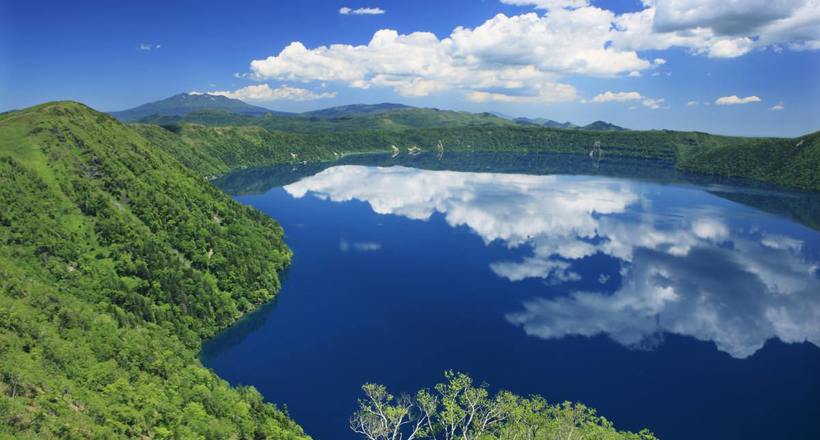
383, 417
459, 410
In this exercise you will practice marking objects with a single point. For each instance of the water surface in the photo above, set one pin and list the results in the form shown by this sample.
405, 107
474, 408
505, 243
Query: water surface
685, 305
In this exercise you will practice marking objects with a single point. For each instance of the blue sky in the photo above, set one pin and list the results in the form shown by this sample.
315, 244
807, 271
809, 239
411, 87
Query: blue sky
640, 64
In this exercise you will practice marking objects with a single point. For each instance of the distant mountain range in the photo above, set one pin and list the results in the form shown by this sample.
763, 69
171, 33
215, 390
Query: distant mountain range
549, 123
209, 109
543, 122
354, 109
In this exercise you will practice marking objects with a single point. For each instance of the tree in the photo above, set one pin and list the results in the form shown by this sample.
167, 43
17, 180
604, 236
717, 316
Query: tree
458, 410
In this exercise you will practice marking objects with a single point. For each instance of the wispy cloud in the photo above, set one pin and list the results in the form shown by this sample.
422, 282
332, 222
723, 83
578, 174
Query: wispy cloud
505, 59
777, 107
263, 92
616, 97
736, 100
548, 4
361, 11
149, 46
359, 246
541, 93
652, 103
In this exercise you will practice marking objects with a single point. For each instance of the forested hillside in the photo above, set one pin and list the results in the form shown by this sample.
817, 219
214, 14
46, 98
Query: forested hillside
115, 262
327, 121
787, 162
214, 138
214, 150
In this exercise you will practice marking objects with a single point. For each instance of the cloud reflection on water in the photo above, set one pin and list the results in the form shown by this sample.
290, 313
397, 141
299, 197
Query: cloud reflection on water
685, 271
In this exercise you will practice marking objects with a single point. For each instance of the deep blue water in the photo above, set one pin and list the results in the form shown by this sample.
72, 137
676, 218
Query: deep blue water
662, 303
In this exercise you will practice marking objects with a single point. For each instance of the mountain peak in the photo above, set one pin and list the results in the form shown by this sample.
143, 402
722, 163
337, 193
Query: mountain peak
603, 126
183, 103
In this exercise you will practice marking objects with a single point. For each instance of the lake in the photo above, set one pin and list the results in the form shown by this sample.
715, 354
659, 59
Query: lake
687, 305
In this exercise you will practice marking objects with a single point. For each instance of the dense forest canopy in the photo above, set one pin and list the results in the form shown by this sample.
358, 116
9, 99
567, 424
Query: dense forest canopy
115, 262
213, 150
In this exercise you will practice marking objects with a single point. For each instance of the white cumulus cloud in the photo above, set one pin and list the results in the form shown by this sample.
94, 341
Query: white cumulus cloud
735, 100
719, 28
777, 107
518, 58
263, 92
523, 58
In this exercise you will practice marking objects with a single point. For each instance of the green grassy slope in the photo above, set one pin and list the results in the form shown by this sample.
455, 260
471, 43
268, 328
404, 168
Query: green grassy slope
115, 262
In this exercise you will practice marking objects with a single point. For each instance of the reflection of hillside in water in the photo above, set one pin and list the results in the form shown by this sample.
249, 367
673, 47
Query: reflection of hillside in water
690, 268
236, 333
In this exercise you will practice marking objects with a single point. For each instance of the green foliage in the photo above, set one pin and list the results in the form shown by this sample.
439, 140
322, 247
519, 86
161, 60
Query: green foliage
787, 162
327, 121
215, 150
602, 126
458, 409
115, 262
353, 110
255, 138
211, 151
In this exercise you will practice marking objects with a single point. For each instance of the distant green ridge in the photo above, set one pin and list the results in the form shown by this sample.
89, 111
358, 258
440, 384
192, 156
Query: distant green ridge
213, 150
379, 117
353, 109
217, 110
